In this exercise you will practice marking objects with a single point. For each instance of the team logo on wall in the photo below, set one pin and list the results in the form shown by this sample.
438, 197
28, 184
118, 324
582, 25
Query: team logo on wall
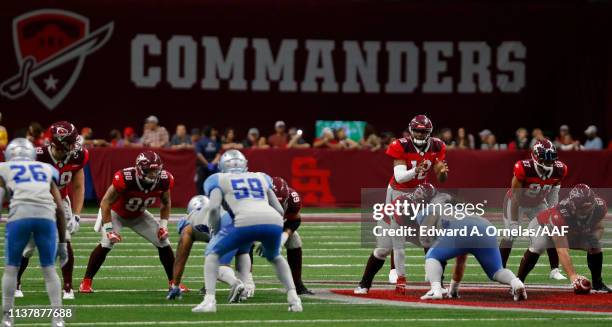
51, 46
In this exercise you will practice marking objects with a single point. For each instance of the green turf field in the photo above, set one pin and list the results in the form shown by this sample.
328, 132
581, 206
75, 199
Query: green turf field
131, 288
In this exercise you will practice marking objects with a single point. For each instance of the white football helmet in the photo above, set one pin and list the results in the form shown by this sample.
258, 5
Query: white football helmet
233, 161
197, 202
20, 149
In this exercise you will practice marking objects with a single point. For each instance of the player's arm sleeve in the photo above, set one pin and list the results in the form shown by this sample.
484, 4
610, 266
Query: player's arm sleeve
402, 174
273, 201
395, 150
211, 183
214, 206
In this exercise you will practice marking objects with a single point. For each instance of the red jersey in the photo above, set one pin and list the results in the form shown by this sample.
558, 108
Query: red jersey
136, 198
404, 149
292, 206
560, 215
66, 168
536, 185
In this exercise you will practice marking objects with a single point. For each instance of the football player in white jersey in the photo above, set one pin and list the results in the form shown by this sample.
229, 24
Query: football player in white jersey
36, 211
193, 228
258, 216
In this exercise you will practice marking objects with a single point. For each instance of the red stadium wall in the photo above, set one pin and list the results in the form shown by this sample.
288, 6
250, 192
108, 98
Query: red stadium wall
545, 63
335, 178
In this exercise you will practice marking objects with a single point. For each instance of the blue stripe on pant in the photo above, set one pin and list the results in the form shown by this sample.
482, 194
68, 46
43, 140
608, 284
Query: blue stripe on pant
241, 238
17, 236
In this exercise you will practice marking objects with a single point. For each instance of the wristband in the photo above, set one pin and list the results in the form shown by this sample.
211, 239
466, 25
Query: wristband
108, 227
163, 223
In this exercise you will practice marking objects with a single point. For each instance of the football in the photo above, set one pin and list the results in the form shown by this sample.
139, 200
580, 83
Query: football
582, 286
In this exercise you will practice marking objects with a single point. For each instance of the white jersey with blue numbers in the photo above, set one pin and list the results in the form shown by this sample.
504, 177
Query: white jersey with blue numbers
28, 184
245, 197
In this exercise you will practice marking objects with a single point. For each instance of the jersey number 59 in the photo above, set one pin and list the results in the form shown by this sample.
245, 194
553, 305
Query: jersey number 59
250, 188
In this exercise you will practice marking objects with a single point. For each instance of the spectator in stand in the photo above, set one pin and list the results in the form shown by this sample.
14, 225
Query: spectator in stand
327, 140
115, 138
36, 134
386, 138
564, 138
130, 139
228, 141
344, 141
208, 154
446, 135
154, 136
195, 135
484, 134
464, 140
593, 141
253, 140
490, 143
88, 141
279, 139
180, 139
3, 135
370, 140
521, 142
296, 141
568, 144
536, 135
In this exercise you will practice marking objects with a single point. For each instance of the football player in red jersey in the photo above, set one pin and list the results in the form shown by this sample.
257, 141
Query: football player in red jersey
414, 156
66, 154
125, 205
535, 187
582, 214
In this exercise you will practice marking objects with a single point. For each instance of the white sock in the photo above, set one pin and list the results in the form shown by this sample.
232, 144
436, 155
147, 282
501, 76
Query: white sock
211, 270
227, 275
9, 285
433, 270
284, 275
243, 266
399, 256
454, 285
436, 286
504, 276
53, 286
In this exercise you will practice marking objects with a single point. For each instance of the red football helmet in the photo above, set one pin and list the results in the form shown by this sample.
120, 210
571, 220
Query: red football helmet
424, 192
420, 129
581, 201
281, 189
544, 154
64, 136
148, 167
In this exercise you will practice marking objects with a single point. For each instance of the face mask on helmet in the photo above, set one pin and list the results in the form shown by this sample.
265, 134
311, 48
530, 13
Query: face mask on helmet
419, 136
584, 210
544, 159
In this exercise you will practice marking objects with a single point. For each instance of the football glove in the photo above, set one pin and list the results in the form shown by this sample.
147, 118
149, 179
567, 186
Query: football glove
162, 233
174, 293
74, 224
514, 228
113, 237
62, 253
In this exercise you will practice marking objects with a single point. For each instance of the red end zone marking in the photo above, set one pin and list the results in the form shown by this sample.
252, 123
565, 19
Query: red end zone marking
500, 298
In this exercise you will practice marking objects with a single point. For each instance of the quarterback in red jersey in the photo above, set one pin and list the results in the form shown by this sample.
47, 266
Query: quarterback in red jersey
413, 157
125, 204
66, 154
581, 214
535, 187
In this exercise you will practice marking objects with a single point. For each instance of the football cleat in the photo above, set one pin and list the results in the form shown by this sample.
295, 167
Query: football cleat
174, 293
361, 290
453, 293
249, 287
184, 289
58, 322
68, 295
18, 292
556, 274
392, 276
208, 305
296, 307
433, 294
7, 320
601, 288
302, 290
400, 286
235, 292
85, 286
